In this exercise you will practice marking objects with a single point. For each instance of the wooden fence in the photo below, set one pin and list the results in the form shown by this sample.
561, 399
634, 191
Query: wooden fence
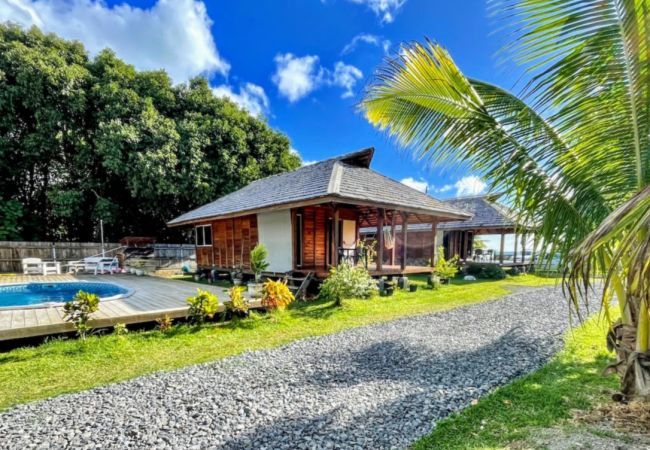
11, 253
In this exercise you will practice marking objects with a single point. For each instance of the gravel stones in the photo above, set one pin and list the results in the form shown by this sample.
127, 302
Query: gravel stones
378, 386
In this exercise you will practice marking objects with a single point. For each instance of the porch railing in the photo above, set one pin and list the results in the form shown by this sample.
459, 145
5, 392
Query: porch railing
353, 256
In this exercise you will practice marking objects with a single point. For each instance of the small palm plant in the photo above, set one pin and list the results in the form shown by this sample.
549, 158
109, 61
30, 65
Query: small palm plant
573, 151
259, 264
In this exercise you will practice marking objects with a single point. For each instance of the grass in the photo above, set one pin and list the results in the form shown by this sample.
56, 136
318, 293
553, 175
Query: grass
572, 380
69, 365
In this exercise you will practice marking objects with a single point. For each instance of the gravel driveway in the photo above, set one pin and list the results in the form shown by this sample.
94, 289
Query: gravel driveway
379, 386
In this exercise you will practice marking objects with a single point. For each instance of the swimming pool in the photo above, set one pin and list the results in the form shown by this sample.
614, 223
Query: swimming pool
35, 295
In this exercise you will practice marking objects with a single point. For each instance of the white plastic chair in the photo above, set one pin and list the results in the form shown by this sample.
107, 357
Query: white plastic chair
32, 266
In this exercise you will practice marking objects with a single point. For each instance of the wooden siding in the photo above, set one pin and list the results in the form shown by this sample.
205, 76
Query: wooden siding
232, 242
316, 233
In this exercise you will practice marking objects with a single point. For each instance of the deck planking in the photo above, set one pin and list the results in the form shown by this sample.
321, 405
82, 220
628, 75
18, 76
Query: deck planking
152, 298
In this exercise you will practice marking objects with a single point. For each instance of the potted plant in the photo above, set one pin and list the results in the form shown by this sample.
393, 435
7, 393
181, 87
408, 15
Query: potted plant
445, 269
258, 265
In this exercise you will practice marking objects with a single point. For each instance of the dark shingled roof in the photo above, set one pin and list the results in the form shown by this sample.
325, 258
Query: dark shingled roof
344, 178
485, 210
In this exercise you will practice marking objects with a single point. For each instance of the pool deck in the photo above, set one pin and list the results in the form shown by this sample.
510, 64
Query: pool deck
152, 298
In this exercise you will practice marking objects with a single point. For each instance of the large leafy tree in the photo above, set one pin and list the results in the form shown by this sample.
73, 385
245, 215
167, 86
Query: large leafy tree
84, 139
572, 150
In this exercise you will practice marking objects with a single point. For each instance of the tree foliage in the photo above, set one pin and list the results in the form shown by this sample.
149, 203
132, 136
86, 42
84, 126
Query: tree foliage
572, 151
84, 139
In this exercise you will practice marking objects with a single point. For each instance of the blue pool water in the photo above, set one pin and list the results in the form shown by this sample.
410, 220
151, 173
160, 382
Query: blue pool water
31, 294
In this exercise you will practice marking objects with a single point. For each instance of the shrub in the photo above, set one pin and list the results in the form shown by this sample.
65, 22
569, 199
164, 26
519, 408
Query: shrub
202, 306
485, 271
165, 323
237, 305
346, 282
515, 271
258, 260
445, 269
120, 329
276, 295
78, 311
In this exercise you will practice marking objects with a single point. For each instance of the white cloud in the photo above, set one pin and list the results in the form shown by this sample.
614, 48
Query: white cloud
251, 97
385, 9
172, 34
346, 76
371, 39
443, 189
296, 77
420, 185
470, 185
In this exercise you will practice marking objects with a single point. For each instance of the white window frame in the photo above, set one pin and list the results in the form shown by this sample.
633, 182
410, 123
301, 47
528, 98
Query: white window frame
196, 235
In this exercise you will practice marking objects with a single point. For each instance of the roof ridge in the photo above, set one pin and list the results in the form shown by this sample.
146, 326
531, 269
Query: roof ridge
335, 178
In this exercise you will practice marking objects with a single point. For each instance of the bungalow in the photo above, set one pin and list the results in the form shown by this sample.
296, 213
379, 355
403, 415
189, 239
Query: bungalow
309, 219
489, 217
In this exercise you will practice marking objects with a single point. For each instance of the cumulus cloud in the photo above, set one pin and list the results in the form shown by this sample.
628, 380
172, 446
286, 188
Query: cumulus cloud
420, 185
172, 34
384, 9
296, 77
470, 185
371, 39
346, 76
250, 97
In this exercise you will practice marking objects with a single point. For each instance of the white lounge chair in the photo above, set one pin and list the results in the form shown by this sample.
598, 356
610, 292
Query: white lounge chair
36, 266
32, 266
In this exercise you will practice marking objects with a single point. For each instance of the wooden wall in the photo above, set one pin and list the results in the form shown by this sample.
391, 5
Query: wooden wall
316, 231
232, 242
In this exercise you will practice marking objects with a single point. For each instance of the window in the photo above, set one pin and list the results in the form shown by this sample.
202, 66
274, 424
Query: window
204, 236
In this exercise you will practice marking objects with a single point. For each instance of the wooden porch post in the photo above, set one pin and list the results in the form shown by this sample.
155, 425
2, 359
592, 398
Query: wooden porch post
392, 231
514, 257
380, 238
434, 230
405, 223
501, 247
534, 254
335, 238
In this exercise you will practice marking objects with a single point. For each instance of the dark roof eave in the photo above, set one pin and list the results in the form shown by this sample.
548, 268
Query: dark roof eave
446, 216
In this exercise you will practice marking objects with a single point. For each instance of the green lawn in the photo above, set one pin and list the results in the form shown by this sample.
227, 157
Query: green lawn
545, 398
62, 366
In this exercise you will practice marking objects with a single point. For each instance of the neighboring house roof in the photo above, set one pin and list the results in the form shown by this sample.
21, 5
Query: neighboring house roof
485, 210
346, 178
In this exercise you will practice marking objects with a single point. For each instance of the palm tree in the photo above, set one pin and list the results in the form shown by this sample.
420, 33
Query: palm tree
573, 150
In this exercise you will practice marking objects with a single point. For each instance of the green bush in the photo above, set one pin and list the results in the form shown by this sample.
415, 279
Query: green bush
237, 305
203, 306
78, 311
485, 271
346, 282
445, 269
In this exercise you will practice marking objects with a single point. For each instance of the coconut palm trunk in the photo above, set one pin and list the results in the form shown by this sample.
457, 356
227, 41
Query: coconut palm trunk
572, 149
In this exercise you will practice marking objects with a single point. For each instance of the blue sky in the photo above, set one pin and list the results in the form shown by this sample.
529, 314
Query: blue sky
300, 63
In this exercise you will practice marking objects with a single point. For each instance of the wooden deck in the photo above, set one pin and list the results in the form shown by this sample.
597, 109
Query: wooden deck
386, 271
152, 298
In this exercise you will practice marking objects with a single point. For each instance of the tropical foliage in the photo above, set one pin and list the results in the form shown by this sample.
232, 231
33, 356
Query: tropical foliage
345, 282
276, 295
86, 139
258, 260
446, 268
237, 304
203, 306
573, 150
78, 312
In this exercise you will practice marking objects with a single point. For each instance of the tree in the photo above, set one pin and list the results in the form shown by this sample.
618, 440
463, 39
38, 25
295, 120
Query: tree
86, 139
573, 150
